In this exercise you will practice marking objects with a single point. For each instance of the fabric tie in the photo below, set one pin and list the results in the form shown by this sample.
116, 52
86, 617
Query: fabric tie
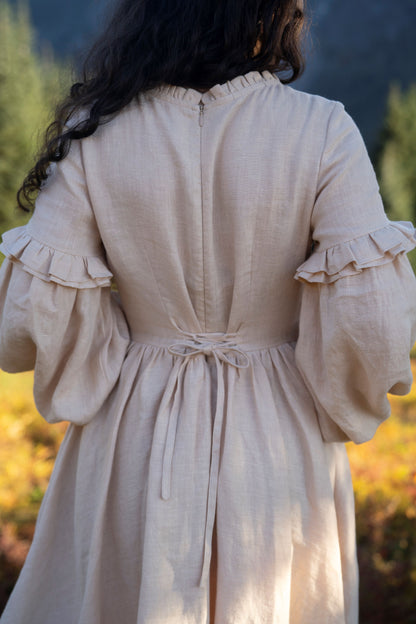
221, 347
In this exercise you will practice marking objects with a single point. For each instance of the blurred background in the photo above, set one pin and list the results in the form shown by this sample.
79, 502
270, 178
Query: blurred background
361, 53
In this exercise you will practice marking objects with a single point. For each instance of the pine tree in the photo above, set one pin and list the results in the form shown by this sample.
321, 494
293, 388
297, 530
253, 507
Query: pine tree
28, 82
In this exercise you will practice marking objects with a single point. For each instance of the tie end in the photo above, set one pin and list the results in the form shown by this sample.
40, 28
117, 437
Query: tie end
165, 494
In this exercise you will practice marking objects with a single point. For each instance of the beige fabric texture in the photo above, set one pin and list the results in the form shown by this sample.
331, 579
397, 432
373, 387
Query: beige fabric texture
213, 395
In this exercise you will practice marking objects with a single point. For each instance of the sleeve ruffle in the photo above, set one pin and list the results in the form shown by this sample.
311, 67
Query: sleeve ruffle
52, 265
349, 258
76, 340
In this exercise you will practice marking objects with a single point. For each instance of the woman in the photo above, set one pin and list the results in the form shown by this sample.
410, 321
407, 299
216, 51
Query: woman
203, 477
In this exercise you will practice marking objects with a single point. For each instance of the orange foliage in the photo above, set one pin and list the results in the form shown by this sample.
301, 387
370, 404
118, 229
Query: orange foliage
383, 470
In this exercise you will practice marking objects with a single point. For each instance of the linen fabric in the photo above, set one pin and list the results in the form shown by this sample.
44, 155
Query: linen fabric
265, 307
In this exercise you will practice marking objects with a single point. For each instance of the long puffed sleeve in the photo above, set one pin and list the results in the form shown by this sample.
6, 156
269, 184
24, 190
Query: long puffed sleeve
358, 312
58, 314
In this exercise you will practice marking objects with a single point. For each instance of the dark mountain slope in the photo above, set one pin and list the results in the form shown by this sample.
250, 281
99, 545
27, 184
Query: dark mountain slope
359, 48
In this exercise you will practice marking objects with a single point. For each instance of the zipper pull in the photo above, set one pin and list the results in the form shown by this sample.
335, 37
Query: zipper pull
201, 114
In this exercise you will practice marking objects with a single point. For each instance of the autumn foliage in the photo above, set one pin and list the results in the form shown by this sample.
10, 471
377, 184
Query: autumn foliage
384, 474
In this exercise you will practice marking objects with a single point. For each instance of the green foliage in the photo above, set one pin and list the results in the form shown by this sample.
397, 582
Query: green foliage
396, 164
397, 161
29, 83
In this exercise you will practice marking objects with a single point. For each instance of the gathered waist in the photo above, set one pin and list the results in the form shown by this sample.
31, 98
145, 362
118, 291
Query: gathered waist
228, 350
214, 338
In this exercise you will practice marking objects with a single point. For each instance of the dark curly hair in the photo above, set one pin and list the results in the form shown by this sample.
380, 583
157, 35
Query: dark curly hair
190, 43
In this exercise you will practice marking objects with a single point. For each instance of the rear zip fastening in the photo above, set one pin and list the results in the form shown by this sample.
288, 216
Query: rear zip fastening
201, 123
201, 113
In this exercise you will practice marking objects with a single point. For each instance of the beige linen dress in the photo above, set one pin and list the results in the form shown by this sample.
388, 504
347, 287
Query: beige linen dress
213, 395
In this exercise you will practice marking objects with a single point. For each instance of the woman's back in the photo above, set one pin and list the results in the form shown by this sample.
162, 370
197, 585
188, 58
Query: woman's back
211, 206
205, 210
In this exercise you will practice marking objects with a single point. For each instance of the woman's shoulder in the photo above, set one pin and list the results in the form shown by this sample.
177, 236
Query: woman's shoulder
310, 103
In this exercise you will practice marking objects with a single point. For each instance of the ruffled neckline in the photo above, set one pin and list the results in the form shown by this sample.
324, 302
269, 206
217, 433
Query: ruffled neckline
232, 88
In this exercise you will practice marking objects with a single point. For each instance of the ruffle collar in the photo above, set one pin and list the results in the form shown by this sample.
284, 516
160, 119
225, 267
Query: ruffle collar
231, 88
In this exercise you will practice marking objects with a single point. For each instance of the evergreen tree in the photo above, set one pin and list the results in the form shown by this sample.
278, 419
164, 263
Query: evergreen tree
397, 161
28, 83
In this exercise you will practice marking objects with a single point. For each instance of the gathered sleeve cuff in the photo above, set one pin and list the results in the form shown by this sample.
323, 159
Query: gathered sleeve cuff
358, 305
355, 336
75, 339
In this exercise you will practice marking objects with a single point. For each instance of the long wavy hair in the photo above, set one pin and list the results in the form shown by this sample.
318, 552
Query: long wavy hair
190, 43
